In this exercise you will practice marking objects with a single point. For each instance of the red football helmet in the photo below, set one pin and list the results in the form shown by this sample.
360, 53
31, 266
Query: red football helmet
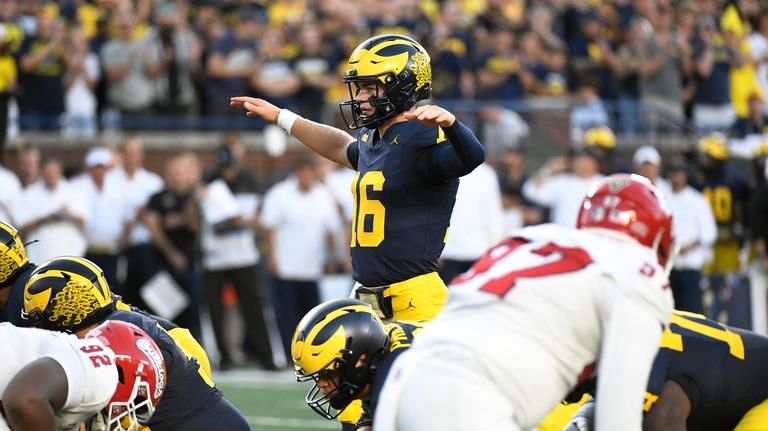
142, 374
632, 205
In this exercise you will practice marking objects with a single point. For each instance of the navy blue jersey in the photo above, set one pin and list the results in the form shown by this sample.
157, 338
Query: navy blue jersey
187, 393
722, 370
400, 338
402, 204
15, 303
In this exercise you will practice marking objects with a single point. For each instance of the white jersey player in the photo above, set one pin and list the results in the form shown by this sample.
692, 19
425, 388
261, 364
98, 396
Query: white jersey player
54, 381
538, 314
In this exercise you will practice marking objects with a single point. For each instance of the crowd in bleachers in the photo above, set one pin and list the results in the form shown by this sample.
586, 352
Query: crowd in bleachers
82, 66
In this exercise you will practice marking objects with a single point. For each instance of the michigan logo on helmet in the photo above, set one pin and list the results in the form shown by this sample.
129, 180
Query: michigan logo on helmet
327, 346
13, 255
67, 293
399, 66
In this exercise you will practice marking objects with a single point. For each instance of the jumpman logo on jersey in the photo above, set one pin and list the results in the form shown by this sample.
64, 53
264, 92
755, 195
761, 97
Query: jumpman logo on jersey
410, 304
394, 140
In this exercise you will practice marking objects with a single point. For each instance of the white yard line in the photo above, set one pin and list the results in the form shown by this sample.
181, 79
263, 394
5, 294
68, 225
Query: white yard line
292, 423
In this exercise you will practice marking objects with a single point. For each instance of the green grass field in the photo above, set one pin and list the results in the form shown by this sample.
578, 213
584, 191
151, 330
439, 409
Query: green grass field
271, 401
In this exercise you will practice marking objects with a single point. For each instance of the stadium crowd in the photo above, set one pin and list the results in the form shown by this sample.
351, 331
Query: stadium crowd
83, 66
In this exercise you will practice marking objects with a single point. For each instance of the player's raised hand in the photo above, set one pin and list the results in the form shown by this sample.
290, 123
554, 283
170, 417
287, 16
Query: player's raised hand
255, 107
431, 115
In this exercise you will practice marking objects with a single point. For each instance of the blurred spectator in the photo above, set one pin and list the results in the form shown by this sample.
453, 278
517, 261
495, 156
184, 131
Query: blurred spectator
28, 165
476, 222
755, 123
542, 24
83, 72
173, 221
51, 212
105, 209
230, 257
450, 50
726, 190
139, 185
11, 187
695, 231
735, 26
562, 190
588, 108
647, 162
758, 47
628, 71
275, 78
231, 63
315, 67
758, 274
664, 60
127, 67
500, 74
8, 81
42, 67
175, 54
712, 108
501, 129
299, 222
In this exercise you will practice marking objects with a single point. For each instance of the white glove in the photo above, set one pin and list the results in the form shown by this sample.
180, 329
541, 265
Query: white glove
584, 418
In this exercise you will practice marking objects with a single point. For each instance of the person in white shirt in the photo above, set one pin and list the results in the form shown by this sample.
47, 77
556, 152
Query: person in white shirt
106, 206
230, 257
540, 313
83, 73
696, 231
136, 240
562, 191
109, 380
11, 187
476, 221
299, 219
50, 212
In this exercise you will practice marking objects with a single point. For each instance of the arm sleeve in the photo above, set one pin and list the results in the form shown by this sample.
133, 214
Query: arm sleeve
464, 154
353, 154
619, 406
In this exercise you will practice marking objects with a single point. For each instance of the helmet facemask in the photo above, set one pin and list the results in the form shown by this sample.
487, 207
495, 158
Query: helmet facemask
130, 414
348, 382
383, 108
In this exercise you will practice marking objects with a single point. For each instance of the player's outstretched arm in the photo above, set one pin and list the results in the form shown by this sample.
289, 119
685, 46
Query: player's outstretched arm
630, 342
670, 411
34, 395
329, 142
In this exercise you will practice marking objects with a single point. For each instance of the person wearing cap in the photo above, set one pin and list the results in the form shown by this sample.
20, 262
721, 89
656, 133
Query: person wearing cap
695, 230
647, 162
106, 207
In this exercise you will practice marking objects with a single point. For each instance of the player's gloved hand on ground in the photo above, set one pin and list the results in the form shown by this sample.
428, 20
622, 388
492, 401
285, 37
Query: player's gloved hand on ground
583, 420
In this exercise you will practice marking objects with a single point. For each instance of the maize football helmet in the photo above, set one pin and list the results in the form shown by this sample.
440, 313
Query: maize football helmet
632, 205
600, 137
399, 65
328, 344
67, 294
141, 371
715, 146
13, 254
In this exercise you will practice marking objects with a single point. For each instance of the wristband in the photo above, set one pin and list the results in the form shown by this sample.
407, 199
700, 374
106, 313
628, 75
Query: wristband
285, 119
